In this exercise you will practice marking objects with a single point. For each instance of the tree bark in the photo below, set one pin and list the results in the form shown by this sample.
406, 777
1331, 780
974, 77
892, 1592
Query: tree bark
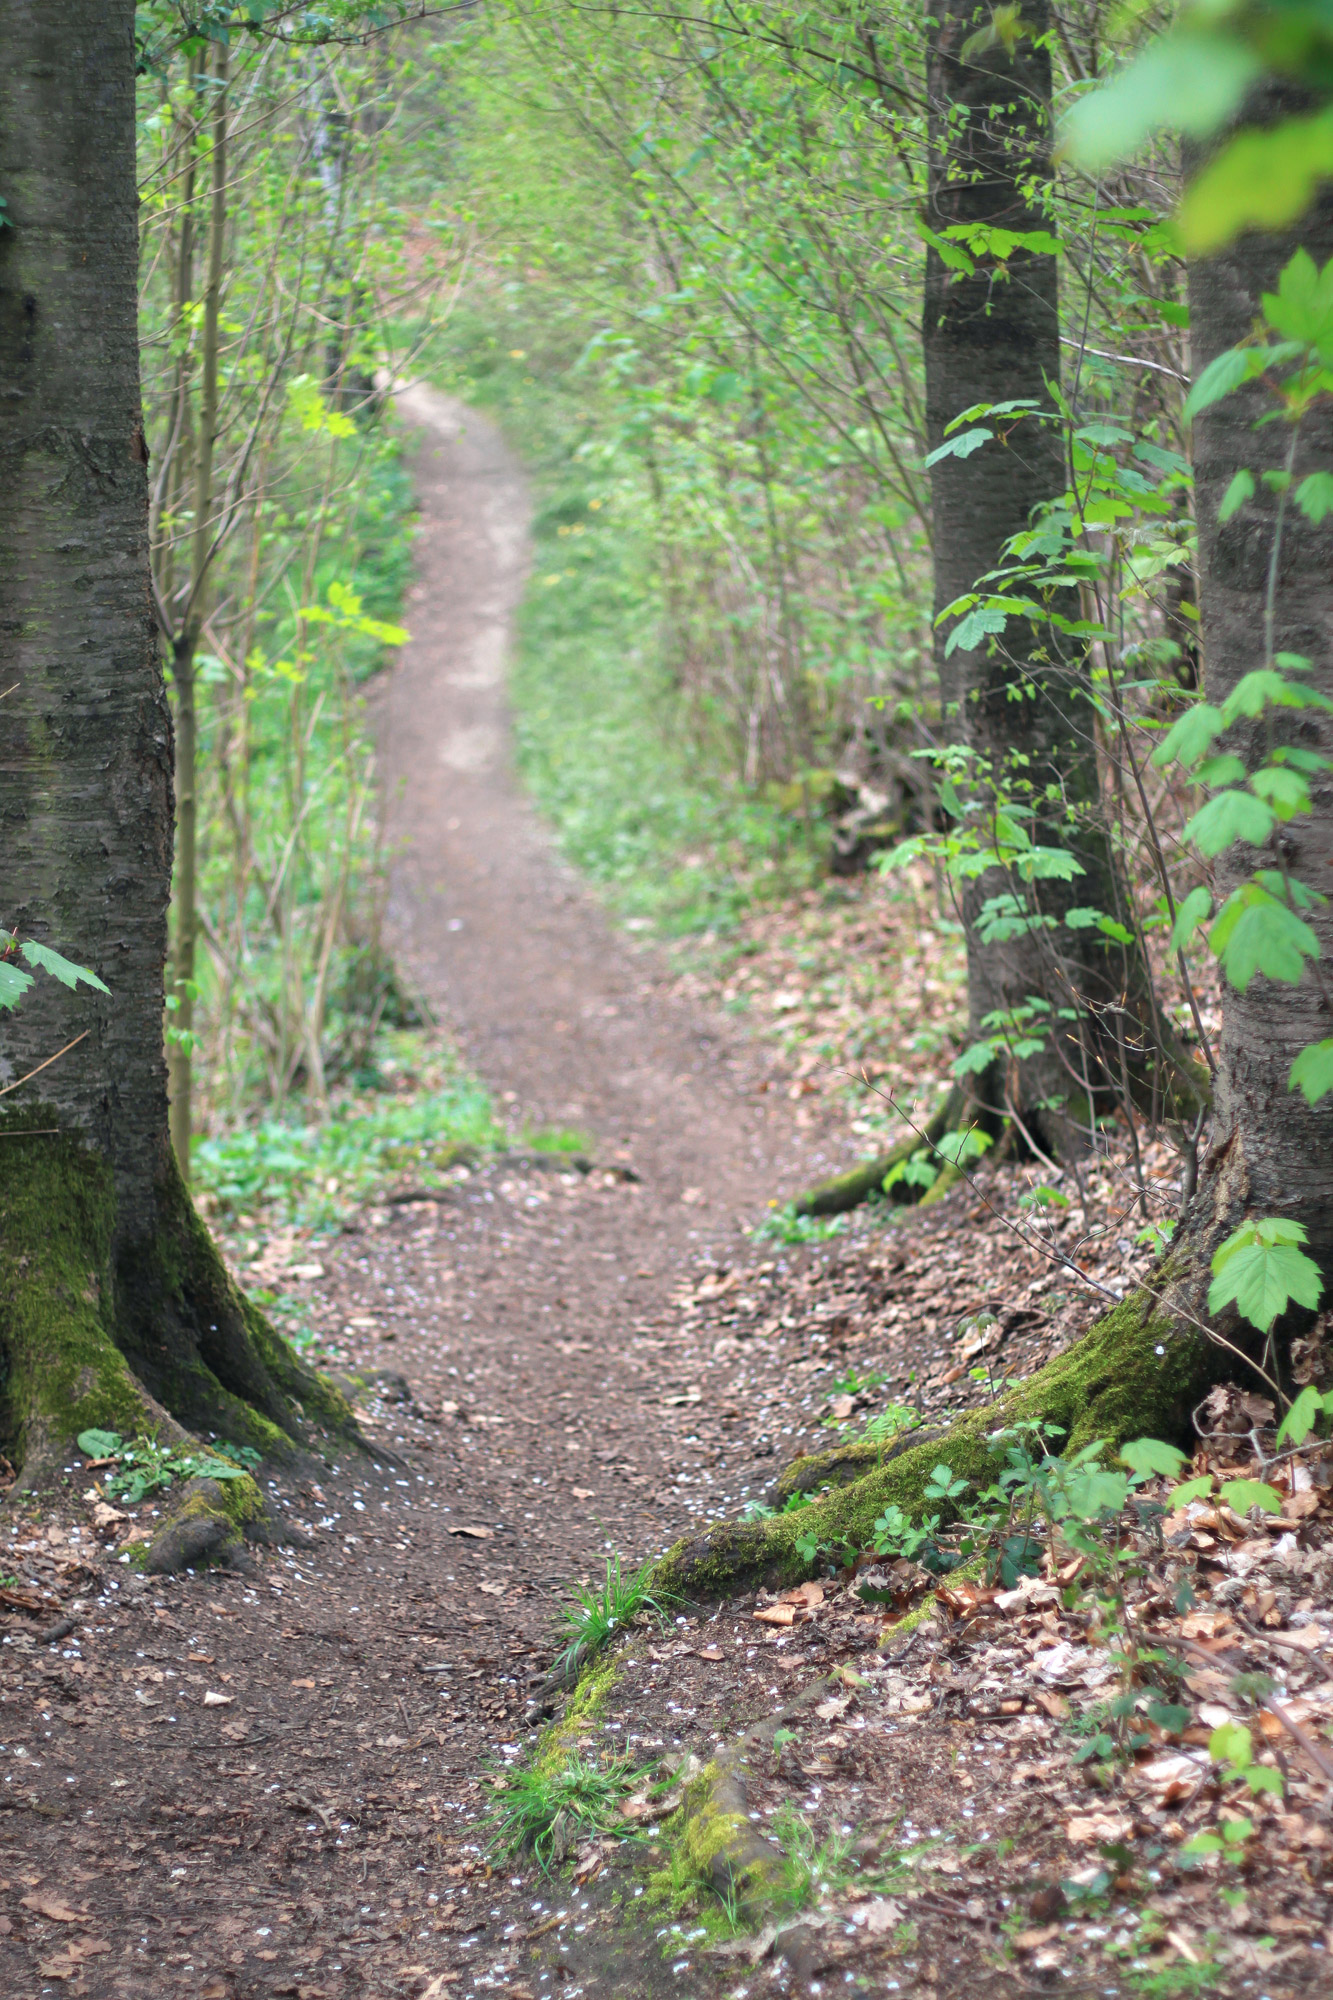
1023, 704
1283, 1146
113, 1300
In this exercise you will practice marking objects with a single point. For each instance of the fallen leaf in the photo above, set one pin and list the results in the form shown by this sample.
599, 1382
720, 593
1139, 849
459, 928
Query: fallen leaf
878, 1916
494, 1589
106, 1516
841, 1407
693, 1394
52, 1908
583, 1493
710, 1653
214, 1700
305, 1271
1034, 1940
776, 1614
804, 1593
476, 1535
833, 1709
88, 1947
1091, 1829
302, 1684
1054, 1704
435, 1991
202, 1659
59, 1968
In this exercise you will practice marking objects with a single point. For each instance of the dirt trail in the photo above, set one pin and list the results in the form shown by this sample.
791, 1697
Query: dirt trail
549, 1002
267, 1784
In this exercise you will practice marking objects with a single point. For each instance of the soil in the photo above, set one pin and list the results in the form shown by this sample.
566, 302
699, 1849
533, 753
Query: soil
274, 1780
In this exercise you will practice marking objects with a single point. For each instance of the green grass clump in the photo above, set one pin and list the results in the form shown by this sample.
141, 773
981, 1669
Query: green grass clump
589, 1621
545, 1812
784, 1225
316, 1174
558, 1139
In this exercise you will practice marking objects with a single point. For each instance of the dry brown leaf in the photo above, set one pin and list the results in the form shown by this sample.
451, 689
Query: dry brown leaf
583, 1492
301, 1684
876, 1917
1033, 1940
804, 1593
776, 1614
214, 1700
1091, 1829
476, 1535
52, 1908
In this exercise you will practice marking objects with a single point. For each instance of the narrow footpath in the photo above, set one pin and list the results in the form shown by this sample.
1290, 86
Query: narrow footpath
233, 1786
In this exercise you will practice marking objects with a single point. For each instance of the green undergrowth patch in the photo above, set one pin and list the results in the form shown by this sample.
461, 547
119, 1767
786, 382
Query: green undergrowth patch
545, 1811
558, 1139
422, 1124
669, 838
595, 1613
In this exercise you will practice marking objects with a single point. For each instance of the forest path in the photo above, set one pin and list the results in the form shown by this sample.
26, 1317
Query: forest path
270, 1782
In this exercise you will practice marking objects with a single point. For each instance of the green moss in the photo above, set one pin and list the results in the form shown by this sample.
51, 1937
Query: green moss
1137, 1372
582, 1709
62, 1372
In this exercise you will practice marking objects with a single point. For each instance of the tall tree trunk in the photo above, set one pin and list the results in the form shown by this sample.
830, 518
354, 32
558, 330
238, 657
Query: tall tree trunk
113, 1300
1278, 1145
1023, 705
186, 644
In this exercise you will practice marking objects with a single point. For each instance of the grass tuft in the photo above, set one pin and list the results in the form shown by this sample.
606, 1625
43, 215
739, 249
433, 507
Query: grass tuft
544, 1813
589, 1621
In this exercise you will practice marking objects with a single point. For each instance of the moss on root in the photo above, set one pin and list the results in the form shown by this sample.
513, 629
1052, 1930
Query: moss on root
585, 1703
1137, 1371
207, 1525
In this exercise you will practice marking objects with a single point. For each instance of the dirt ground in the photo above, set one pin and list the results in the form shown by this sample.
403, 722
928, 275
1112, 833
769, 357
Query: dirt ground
233, 1785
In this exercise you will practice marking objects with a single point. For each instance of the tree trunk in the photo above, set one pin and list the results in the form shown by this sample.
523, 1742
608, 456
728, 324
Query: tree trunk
113, 1300
1282, 1146
1023, 704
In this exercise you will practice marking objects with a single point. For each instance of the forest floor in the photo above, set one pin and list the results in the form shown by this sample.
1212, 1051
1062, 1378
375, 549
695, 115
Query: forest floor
277, 1780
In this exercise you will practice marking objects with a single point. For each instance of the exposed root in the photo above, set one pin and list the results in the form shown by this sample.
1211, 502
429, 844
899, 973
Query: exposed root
845, 1191
1137, 1371
207, 1525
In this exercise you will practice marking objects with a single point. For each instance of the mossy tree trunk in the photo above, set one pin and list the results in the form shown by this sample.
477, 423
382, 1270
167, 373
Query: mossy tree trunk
115, 1308
1142, 1367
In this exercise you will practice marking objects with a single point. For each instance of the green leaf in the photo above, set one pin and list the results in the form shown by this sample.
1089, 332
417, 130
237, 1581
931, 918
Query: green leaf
60, 968
969, 632
975, 1060
1190, 737
1302, 1417
1188, 80
1312, 1072
1254, 692
1223, 375
14, 983
1149, 1456
1314, 496
99, 1444
1302, 307
961, 446
1259, 180
1232, 1744
1242, 1494
1189, 915
1284, 790
959, 1147
1190, 1489
1256, 933
1262, 1270
1240, 489
1228, 817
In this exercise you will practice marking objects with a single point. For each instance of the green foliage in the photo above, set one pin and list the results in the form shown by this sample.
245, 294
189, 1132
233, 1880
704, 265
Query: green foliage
1261, 1269
14, 981
545, 1812
595, 1615
784, 1225
145, 1466
315, 1174
1193, 79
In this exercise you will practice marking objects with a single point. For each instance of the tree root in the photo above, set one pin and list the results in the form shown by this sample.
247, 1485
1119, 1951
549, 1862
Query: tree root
1138, 1371
845, 1191
146, 1338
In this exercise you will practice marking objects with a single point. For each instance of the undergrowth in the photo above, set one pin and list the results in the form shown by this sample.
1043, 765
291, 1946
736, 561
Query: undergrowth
595, 1614
427, 1119
544, 1812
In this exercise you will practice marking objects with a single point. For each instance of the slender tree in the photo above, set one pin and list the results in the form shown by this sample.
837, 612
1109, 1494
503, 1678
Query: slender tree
1023, 706
115, 1308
